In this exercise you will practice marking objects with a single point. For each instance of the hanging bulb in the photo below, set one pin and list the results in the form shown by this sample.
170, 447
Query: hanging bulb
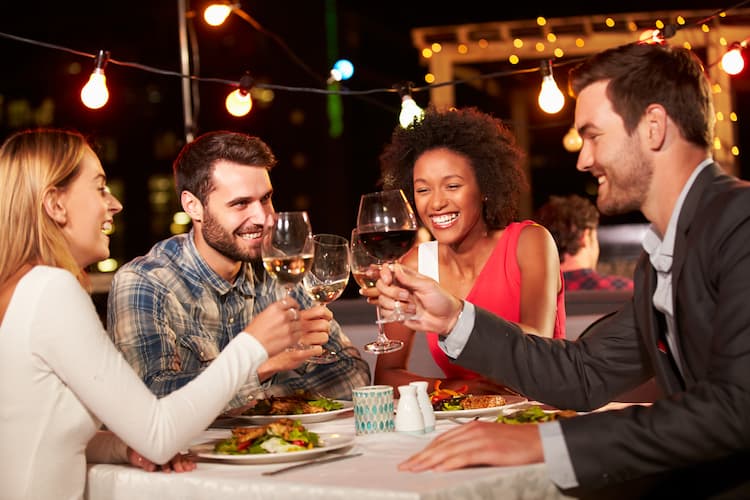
410, 110
572, 141
551, 100
95, 94
216, 13
343, 69
732, 61
239, 102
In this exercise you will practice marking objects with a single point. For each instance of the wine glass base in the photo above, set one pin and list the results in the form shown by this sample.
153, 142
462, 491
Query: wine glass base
384, 346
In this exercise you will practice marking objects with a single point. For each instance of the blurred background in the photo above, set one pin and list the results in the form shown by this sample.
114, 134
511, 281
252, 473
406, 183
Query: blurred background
327, 144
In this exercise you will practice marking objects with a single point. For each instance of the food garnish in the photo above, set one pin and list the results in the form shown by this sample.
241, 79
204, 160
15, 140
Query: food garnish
282, 436
534, 415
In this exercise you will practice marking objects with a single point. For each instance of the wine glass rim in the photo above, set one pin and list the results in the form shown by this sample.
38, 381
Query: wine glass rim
334, 239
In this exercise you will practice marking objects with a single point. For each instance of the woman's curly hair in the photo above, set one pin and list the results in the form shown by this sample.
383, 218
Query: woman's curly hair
485, 141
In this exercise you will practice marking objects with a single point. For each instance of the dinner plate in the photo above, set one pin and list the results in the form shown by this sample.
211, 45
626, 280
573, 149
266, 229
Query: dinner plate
305, 418
329, 442
510, 401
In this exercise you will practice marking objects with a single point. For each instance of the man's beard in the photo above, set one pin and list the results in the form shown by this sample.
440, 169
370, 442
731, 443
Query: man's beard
224, 242
628, 183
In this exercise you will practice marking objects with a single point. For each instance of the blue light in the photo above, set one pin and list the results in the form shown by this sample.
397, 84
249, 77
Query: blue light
345, 68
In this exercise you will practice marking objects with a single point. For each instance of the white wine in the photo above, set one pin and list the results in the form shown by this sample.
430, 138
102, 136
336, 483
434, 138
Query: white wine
364, 280
325, 292
288, 270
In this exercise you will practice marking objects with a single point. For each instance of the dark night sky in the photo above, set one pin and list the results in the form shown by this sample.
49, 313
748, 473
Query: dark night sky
138, 126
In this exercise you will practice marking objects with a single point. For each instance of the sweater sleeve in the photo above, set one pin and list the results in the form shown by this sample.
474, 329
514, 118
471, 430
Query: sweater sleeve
70, 338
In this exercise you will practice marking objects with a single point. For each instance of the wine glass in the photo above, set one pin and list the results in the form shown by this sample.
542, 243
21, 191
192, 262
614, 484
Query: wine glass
366, 271
327, 277
287, 250
387, 230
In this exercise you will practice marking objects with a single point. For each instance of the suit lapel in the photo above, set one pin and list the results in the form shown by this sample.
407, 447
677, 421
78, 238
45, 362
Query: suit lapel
664, 371
689, 207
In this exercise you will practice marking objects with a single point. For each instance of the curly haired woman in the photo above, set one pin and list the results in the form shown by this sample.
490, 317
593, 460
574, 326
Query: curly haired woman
461, 170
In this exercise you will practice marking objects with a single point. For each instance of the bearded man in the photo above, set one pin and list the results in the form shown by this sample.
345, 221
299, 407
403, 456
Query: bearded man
172, 311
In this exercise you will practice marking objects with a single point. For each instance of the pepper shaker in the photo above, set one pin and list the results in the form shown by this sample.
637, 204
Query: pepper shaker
408, 414
428, 415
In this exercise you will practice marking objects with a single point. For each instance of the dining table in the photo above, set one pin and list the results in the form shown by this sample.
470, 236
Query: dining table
370, 473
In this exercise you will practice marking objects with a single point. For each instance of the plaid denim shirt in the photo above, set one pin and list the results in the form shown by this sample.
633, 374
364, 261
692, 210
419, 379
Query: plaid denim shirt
170, 315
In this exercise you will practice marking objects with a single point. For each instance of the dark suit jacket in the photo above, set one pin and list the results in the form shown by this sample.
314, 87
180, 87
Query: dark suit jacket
705, 415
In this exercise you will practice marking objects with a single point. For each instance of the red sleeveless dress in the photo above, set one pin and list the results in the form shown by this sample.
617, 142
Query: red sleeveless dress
496, 289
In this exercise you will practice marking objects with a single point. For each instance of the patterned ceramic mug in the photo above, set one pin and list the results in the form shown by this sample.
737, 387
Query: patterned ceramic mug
373, 409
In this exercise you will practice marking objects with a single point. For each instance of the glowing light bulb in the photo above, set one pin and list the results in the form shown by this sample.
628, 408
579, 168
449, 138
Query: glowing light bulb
216, 14
239, 102
343, 69
732, 61
551, 100
410, 111
572, 141
94, 94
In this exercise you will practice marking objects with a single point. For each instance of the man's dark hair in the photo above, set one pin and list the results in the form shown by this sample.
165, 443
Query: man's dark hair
566, 218
194, 165
641, 74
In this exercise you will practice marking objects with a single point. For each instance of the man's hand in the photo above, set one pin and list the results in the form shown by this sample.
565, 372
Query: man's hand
436, 310
314, 325
479, 443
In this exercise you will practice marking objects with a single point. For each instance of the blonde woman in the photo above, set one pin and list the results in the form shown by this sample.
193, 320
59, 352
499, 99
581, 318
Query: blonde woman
60, 375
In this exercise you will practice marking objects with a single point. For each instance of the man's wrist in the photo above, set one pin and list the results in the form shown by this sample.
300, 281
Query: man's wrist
455, 320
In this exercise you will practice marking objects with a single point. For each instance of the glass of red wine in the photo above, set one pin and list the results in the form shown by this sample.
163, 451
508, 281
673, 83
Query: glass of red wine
387, 230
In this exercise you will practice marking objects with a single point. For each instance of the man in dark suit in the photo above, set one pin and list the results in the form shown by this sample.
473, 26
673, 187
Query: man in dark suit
646, 118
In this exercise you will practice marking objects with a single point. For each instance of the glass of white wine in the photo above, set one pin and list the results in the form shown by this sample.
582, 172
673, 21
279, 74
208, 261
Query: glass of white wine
287, 250
327, 277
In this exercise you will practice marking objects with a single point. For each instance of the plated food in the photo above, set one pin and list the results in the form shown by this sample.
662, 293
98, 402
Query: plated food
287, 451
298, 404
535, 414
282, 436
303, 407
457, 403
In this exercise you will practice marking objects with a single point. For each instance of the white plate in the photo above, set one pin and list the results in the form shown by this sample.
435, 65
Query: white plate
510, 401
329, 442
305, 418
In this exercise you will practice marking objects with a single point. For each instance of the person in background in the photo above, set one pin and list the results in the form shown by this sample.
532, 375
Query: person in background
60, 375
461, 170
172, 311
573, 221
646, 116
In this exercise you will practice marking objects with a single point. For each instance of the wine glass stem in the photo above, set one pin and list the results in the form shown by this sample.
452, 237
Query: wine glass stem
382, 338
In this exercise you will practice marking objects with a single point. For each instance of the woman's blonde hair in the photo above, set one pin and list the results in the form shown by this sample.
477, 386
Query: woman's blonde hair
32, 163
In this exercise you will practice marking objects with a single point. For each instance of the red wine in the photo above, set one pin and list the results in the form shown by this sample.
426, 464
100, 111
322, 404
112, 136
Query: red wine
388, 245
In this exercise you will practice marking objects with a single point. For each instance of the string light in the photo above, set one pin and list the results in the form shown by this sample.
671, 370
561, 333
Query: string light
95, 94
410, 110
572, 141
343, 69
551, 99
216, 13
732, 61
239, 102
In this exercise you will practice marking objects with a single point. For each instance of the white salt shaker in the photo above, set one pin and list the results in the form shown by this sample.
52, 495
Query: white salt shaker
428, 415
408, 414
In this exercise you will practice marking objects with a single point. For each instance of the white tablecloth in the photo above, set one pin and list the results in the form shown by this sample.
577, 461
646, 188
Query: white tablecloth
373, 475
